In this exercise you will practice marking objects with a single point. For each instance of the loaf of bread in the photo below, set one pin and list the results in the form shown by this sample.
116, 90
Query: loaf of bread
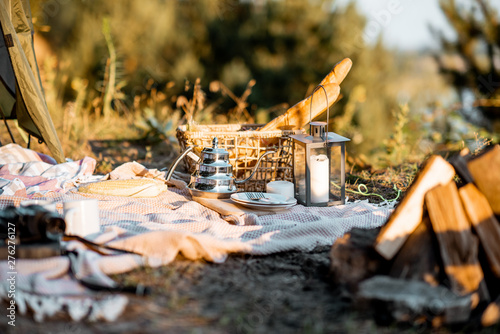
338, 73
301, 113
143, 187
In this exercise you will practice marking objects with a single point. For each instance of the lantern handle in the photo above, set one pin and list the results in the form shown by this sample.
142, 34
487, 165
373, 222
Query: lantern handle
327, 107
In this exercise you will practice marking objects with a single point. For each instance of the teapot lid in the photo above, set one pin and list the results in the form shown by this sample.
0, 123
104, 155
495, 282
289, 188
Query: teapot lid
215, 148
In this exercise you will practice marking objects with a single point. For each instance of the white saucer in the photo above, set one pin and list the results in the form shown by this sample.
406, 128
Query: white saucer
270, 202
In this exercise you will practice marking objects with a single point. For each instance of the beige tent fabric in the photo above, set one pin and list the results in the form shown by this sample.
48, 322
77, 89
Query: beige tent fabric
33, 114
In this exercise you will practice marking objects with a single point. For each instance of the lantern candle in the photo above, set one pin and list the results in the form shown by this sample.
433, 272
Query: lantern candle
319, 178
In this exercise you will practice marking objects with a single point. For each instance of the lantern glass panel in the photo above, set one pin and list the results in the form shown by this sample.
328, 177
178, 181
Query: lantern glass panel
335, 154
300, 171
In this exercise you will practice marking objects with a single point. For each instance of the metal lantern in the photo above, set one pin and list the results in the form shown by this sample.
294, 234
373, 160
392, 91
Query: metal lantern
319, 164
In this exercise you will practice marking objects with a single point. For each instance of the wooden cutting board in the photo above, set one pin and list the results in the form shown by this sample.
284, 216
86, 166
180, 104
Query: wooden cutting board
227, 207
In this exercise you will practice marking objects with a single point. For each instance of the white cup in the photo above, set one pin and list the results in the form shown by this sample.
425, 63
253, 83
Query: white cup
82, 217
284, 188
47, 205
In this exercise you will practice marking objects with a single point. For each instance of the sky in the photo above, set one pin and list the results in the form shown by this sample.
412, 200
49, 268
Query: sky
405, 23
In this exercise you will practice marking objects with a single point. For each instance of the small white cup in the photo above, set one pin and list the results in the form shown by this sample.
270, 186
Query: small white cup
47, 205
82, 217
284, 188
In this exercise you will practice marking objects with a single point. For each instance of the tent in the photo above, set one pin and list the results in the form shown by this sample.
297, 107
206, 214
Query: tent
21, 92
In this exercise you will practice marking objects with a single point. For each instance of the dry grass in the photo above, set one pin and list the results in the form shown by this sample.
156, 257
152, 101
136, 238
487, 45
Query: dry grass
379, 185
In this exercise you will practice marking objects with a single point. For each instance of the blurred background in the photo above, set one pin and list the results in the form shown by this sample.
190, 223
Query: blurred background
425, 75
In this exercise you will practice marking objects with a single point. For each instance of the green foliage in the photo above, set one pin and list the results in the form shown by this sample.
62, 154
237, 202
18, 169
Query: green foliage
153, 63
155, 130
397, 146
286, 46
470, 62
111, 69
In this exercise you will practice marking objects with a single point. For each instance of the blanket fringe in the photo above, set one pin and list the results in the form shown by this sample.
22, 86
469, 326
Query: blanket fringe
107, 308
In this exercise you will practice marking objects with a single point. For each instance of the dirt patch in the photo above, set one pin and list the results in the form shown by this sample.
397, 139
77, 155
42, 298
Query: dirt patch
112, 153
281, 293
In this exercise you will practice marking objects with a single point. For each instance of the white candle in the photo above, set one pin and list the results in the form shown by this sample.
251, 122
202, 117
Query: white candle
284, 188
319, 178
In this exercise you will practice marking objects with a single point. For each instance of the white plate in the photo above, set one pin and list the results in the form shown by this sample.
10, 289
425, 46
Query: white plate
274, 202
269, 200
265, 207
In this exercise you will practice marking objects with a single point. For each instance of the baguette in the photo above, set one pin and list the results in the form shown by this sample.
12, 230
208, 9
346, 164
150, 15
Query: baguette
298, 116
338, 73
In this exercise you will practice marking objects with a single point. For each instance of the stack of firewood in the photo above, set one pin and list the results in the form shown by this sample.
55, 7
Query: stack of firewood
437, 259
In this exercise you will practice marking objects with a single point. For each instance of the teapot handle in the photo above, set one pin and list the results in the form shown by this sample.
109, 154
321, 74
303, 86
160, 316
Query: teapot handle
255, 168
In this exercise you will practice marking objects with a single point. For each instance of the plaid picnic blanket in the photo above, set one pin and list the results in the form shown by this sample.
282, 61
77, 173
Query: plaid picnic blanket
157, 229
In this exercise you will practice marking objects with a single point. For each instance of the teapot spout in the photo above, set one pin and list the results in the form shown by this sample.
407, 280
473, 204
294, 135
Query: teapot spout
176, 162
255, 168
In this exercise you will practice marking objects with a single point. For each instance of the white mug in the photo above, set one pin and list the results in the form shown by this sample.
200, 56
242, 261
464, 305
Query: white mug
47, 205
284, 188
82, 217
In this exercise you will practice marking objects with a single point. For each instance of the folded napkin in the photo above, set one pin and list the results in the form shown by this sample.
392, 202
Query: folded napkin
134, 170
161, 247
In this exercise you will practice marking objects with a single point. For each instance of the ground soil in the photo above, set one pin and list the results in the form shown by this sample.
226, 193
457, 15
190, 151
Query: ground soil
289, 292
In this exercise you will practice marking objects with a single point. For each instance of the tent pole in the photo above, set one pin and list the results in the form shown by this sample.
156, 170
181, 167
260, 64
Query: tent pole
8, 128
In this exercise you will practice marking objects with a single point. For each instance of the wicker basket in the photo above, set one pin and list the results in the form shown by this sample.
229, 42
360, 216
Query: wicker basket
245, 145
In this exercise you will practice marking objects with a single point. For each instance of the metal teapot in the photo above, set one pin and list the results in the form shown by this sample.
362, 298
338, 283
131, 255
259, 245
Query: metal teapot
213, 177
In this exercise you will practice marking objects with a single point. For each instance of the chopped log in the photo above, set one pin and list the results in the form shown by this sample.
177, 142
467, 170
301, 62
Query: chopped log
408, 214
353, 259
418, 259
485, 170
484, 222
457, 244
491, 314
459, 162
408, 301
